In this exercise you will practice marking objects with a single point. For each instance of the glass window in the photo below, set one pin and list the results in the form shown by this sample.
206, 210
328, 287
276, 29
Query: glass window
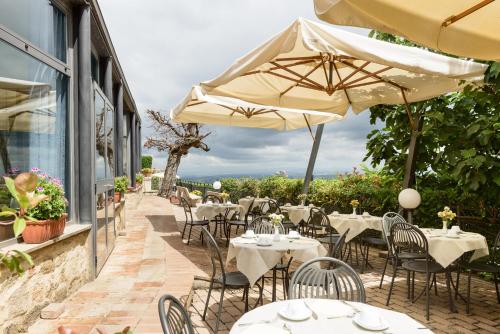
104, 152
39, 21
33, 116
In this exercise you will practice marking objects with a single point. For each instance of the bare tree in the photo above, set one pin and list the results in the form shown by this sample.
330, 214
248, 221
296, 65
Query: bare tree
177, 140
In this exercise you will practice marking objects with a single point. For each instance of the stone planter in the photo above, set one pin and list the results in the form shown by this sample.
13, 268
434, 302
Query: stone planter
6, 230
118, 197
43, 230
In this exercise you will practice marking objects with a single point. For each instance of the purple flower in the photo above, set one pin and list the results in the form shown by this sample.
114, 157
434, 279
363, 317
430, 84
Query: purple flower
56, 181
40, 189
35, 169
44, 175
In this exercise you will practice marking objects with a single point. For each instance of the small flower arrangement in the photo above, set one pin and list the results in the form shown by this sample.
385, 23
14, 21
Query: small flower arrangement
196, 193
224, 195
302, 197
55, 204
354, 203
447, 214
276, 218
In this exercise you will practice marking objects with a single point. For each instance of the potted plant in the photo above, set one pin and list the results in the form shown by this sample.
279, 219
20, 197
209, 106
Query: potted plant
147, 172
139, 178
27, 193
121, 185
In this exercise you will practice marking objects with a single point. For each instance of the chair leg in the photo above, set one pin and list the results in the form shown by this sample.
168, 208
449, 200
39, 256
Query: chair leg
237, 229
412, 285
219, 310
229, 234
383, 272
395, 270
458, 283
184, 230
283, 279
435, 285
245, 291
427, 295
208, 299
467, 307
451, 304
189, 236
408, 285
495, 277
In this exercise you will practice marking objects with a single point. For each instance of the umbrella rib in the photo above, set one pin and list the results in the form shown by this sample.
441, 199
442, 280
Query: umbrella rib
363, 84
302, 77
308, 126
408, 111
196, 103
454, 18
375, 76
368, 76
340, 79
276, 67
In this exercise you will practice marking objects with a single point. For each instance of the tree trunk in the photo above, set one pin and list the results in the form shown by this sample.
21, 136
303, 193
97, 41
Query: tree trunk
170, 174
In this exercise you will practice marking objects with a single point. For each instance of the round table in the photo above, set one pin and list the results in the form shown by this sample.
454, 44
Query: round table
254, 261
210, 211
246, 201
355, 223
297, 213
445, 250
253, 321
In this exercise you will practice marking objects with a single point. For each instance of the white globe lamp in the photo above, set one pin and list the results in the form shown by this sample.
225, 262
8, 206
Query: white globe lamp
217, 185
409, 199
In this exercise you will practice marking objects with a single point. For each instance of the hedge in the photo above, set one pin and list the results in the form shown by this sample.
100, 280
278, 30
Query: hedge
146, 161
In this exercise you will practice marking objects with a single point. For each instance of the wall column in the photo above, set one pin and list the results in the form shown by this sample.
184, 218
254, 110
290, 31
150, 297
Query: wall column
108, 79
132, 150
119, 131
86, 193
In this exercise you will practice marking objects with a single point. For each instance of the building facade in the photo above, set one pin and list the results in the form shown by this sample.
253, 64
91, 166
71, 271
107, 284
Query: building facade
66, 109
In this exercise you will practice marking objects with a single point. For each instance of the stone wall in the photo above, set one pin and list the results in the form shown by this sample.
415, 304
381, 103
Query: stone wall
60, 269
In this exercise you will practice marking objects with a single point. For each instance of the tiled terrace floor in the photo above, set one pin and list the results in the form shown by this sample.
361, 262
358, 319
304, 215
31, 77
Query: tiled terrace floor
152, 260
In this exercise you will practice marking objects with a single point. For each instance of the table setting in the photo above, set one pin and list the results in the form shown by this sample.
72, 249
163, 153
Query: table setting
211, 210
256, 254
247, 201
355, 223
299, 316
297, 213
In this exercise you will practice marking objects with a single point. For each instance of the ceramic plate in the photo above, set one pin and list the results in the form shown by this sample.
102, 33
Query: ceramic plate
452, 236
264, 245
293, 237
383, 324
301, 313
248, 236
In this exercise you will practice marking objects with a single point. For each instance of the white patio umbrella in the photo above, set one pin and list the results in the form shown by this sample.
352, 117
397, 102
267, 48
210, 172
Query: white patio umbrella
198, 107
468, 28
313, 66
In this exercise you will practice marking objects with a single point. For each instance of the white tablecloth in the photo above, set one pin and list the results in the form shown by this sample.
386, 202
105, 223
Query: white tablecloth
254, 261
446, 250
355, 224
210, 211
398, 322
297, 213
245, 203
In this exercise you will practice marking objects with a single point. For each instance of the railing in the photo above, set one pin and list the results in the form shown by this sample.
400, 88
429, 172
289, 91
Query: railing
193, 185
488, 226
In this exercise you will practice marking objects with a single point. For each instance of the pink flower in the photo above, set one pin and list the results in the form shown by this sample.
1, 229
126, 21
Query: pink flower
35, 169
39, 189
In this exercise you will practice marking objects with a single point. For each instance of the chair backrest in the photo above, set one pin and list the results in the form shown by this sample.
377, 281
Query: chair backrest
263, 225
214, 254
407, 238
187, 210
389, 219
495, 251
182, 192
318, 221
339, 246
272, 207
174, 318
213, 198
328, 208
326, 277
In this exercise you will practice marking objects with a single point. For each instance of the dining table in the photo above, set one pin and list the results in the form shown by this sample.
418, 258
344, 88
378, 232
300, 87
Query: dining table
297, 213
248, 201
254, 260
211, 210
356, 224
446, 248
326, 316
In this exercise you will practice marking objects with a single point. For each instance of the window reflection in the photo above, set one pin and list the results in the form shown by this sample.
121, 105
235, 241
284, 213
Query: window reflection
38, 21
100, 151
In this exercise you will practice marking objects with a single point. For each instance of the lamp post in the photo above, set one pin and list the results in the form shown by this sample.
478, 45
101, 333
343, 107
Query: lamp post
409, 199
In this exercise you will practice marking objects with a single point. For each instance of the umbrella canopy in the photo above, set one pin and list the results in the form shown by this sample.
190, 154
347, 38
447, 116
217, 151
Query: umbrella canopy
468, 28
198, 107
312, 66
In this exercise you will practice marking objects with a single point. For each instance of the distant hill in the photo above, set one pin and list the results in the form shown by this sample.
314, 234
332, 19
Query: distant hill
212, 178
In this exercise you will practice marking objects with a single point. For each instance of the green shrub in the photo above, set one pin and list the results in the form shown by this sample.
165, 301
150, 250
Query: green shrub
146, 161
121, 184
139, 178
155, 183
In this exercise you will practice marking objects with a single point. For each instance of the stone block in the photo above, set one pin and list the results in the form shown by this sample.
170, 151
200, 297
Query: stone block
52, 311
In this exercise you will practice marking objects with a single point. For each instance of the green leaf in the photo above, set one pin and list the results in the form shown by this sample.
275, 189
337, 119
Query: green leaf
6, 208
25, 256
467, 154
7, 214
473, 129
9, 183
19, 226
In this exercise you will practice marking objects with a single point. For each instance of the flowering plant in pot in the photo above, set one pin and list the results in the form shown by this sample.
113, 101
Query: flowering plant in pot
147, 171
121, 185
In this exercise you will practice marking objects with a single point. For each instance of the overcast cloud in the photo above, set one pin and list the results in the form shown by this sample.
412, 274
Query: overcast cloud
166, 46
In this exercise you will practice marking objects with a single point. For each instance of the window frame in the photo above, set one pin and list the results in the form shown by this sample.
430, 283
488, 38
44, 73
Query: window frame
66, 68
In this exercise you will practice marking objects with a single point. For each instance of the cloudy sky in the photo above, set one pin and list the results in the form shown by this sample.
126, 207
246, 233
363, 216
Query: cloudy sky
166, 46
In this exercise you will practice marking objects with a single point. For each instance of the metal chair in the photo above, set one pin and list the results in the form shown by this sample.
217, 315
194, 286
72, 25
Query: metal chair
238, 222
326, 277
318, 226
190, 221
227, 280
389, 219
174, 318
262, 225
490, 265
406, 239
213, 198
337, 250
328, 208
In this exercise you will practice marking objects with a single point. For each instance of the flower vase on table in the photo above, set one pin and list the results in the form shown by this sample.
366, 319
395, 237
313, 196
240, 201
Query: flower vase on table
446, 216
276, 236
445, 227
276, 221
354, 204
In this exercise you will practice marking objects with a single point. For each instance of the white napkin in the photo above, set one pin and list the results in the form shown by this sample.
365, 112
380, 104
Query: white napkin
245, 241
264, 328
324, 307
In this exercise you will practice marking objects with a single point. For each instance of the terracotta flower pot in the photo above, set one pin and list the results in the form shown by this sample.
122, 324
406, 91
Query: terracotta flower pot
57, 226
118, 197
36, 232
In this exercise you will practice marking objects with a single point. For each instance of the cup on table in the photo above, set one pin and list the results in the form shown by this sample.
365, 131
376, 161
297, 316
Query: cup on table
335, 213
366, 214
249, 197
293, 234
250, 233
229, 202
210, 202
456, 229
452, 231
288, 204
264, 240
311, 205
370, 318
